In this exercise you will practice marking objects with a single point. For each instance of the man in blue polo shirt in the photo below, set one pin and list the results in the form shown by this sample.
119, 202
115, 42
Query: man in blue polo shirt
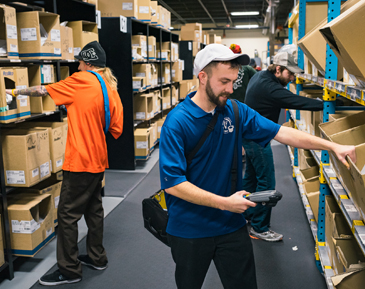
206, 222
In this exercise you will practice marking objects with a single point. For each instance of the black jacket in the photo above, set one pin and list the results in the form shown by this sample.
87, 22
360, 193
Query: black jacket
267, 96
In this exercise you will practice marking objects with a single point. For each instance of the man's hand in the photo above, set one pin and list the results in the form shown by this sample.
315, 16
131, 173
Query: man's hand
236, 203
343, 151
8, 91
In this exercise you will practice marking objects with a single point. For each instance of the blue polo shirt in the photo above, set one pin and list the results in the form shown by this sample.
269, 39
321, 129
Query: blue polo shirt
210, 169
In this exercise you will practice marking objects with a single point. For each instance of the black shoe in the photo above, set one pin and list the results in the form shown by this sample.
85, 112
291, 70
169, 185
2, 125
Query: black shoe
56, 278
85, 260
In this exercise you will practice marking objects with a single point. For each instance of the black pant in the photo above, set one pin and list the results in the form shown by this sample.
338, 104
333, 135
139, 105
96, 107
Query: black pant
232, 255
80, 195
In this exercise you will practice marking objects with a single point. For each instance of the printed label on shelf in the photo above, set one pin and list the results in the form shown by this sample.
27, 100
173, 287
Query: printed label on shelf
144, 9
137, 84
57, 51
77, 50
189, 46
123, 24
28, 34
13, 48
44, 170
35, 172
56, 201
300, 180
140, 115
11, 31
127, 6
350, 208
142, 144
48, 232
98, 18
23, 100
55, 35
362, 238
59, 163
337, 187
330, 173
24, 227
141, 74
15, 177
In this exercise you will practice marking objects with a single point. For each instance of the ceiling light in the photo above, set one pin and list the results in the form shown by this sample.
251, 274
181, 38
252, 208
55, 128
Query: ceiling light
245, 13
247, 26
171, 28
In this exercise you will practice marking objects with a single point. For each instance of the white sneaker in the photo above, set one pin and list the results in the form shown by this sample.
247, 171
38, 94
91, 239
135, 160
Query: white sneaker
269, 236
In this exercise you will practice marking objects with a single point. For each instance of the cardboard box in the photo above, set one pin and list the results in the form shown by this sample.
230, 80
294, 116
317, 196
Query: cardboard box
191, 31
160, 16
166, 76
26, 156
51, 187
196, 47
349, 253
309, 174
127, 8
154, 74
176, 71
154, 12
19, 107
39, 35
8, 32
141, 143
65, 72
37, 75
185, 86
144, 11
31, 223
67, 43
336, 228
159, 127
174, 95
144, 71
305, 159
163, 55
314, 45
152, 47
311, 189
143, 106
352, 279
340, 34
153, 134
174, 51
166, 98
139, 83
57, 133
156, 101
140, 41
83, 33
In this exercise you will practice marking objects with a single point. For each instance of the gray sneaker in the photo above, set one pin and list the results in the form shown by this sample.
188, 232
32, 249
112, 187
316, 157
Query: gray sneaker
269, 236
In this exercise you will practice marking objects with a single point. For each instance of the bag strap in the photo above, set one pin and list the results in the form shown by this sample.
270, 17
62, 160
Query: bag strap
207, 132
106, 100
235, 157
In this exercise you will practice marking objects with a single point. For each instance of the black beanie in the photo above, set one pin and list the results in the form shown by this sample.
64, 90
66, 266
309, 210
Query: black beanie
93, 53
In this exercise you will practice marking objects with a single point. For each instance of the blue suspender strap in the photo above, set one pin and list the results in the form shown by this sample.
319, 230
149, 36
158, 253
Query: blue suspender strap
106, 100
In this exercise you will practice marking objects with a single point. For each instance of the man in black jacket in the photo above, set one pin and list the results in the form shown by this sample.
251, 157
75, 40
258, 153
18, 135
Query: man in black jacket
266, 94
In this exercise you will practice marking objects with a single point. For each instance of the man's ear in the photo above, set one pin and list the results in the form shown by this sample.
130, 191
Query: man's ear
203, 77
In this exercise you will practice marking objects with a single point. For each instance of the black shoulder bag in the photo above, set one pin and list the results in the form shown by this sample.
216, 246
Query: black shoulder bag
154, 210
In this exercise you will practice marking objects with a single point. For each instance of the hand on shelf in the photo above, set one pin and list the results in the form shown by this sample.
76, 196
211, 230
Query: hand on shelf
344, 151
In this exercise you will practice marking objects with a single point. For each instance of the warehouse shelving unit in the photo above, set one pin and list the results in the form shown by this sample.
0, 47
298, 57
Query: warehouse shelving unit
69, 11
329, 184
121, 151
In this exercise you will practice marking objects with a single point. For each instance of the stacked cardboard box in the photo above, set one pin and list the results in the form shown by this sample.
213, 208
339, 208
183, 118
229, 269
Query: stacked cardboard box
40, 35
18, 107
142, 143
83, 32
166, 98
140, 41
154, 13
156, 101
174, 95
191, 31
143, 106
159, 126
8, 32
144, 71
31, 222
127, 8
144, 11
185, 86
26, 156
305, 159
67, 43
152, 48
311, 189
177, 70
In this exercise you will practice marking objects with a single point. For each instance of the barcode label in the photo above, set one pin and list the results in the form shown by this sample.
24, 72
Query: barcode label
350, 208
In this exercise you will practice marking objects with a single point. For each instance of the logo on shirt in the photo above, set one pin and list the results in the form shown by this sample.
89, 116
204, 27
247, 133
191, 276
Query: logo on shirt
89, 54
239, 80
227, 125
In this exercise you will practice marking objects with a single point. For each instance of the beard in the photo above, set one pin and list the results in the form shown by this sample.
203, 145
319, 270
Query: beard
215, 98
283, 81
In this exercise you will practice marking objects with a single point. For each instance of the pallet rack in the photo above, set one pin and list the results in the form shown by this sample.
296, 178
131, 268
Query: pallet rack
329, 184
69, 11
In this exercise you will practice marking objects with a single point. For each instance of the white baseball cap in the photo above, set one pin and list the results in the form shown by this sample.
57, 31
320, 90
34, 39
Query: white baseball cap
288, 61
217, 52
